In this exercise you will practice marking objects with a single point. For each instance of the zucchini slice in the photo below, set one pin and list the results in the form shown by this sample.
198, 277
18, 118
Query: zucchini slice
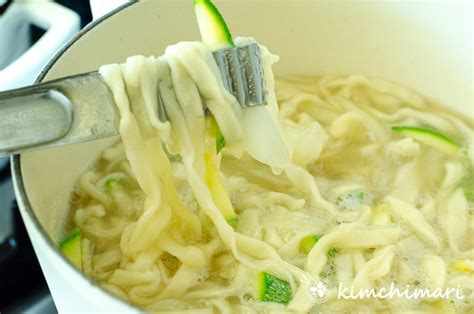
273, 289
214, 31
216, 35
71, 247
218, 192
307, 243
212, 176
431, 138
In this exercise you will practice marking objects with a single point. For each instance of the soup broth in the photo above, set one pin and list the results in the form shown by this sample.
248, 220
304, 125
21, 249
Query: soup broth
377, 192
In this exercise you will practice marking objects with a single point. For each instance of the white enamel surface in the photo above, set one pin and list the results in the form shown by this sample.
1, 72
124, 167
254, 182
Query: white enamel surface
424, 45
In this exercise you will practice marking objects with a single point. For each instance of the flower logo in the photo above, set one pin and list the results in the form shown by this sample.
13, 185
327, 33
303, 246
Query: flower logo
319, 289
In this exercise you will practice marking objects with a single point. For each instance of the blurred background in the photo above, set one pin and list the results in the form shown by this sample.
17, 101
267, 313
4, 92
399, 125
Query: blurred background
31, 32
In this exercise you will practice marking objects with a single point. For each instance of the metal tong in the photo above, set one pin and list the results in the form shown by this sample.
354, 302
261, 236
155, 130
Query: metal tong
81, 107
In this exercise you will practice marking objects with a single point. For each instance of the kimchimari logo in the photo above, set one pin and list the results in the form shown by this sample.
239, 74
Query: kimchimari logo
409, 293
320, 291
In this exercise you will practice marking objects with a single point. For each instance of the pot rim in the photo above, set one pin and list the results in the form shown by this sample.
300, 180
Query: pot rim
18, 183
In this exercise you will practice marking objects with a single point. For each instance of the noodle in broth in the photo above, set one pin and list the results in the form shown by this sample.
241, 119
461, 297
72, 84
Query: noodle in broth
387, 208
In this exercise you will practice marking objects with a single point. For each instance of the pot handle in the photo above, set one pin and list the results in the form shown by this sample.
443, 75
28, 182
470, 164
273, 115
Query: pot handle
65, 111
33, 117
61, 24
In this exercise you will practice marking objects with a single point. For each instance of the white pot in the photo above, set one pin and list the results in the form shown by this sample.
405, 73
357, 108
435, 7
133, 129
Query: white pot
424, 45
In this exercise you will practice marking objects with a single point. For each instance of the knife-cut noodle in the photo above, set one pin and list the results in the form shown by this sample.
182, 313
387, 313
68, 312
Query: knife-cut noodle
170, 224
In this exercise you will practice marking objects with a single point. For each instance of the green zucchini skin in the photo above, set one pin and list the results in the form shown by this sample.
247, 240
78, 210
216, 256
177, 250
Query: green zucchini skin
273, 289
71, 247
214, 31
307, 243
431, 138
